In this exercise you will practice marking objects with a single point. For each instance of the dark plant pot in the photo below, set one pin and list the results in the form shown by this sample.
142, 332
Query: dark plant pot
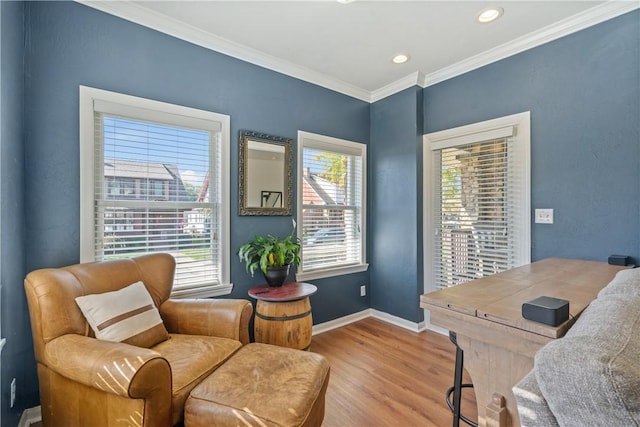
276, 275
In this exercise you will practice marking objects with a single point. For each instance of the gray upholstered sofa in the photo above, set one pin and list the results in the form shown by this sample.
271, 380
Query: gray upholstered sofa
591, 376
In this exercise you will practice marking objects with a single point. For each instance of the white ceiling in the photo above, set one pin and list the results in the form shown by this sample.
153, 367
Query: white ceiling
348, 47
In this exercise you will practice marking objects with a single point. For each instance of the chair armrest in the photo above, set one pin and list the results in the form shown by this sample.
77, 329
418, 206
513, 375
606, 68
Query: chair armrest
226, 318
112, 367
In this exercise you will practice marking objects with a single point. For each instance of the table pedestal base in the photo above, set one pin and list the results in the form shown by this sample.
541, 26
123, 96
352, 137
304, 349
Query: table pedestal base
287, 324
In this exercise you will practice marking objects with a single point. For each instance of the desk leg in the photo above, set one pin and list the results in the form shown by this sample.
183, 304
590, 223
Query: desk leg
497, 414
493, 371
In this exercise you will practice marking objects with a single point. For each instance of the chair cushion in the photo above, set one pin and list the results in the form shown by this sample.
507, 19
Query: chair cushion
262, 385
626, 282
592, 375
533, 409
127, 315
192, 358
608, 316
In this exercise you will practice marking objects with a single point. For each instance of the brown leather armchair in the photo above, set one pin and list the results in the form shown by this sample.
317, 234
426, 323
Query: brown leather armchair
86, 381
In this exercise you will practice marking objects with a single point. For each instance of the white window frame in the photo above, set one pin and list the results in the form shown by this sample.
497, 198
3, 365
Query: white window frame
150, 108
306, 139
521, 122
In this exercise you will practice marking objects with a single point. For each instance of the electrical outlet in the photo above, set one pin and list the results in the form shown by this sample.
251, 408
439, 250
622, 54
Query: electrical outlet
13, 392
544, 216
363, 290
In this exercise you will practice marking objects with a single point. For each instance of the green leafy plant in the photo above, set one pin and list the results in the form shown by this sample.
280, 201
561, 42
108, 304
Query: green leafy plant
270, 251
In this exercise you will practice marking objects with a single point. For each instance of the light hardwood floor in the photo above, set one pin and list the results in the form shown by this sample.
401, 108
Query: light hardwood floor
383, 375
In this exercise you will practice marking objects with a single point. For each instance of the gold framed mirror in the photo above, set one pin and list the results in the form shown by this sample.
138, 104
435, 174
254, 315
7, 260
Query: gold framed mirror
264, 174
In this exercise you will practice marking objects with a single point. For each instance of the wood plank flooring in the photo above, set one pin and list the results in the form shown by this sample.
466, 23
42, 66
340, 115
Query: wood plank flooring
383, 375
386, 376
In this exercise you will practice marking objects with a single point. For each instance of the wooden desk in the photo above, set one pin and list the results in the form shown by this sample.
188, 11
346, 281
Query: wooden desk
283, 314
498, 343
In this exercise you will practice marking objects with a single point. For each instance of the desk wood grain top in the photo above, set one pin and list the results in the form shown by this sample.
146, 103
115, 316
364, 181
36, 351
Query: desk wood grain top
499, 298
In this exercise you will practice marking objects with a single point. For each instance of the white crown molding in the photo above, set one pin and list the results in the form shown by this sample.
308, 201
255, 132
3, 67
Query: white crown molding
414, 79
159, 22
575, 23
154, 20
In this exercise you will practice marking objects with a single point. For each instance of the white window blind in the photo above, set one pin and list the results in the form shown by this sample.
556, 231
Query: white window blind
480, 205
331, 188
158, 186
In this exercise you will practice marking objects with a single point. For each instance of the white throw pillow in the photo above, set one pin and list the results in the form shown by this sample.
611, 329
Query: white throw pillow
127, 315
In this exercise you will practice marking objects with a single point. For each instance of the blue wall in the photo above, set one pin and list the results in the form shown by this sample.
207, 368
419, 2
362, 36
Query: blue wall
583, 92
12, 249
395, 189
69, 44
72, 45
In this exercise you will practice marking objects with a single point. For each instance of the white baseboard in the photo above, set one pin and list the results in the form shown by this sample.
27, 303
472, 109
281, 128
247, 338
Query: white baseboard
398, 321
341, 321
380, 315
431, 326
30, 416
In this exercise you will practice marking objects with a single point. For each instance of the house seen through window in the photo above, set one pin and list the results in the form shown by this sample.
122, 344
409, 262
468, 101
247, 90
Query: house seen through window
331, 198
158, 187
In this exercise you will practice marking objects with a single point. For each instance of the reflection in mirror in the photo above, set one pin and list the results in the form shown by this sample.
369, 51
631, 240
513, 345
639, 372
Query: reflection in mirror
271, 199
265, 166
264, 174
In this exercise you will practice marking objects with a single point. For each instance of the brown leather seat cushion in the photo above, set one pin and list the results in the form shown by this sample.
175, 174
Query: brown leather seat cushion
192, 358
262, 385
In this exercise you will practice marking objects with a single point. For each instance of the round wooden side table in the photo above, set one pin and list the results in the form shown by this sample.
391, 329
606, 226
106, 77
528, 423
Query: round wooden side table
283, 314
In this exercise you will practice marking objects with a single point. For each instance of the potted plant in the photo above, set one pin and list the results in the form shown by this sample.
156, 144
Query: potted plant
273, 255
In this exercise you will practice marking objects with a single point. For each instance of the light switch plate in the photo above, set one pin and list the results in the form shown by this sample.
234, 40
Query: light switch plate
544, 216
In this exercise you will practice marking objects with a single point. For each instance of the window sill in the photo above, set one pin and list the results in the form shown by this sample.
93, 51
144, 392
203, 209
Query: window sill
203, 292
321, 274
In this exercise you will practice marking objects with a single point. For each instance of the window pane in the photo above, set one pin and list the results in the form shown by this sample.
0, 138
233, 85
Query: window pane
153, 194
331, 238
473, 228
332, 199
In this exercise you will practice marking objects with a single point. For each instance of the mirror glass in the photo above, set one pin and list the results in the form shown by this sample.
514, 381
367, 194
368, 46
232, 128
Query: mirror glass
264, 174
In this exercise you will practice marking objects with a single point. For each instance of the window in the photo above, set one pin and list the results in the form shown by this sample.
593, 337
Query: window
120, 186
154, 178
331, 206
156, 188
477, 200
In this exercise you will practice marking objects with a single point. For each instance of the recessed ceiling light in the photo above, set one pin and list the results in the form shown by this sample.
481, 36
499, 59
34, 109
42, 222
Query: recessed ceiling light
490, 14
345, 1
400, 58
